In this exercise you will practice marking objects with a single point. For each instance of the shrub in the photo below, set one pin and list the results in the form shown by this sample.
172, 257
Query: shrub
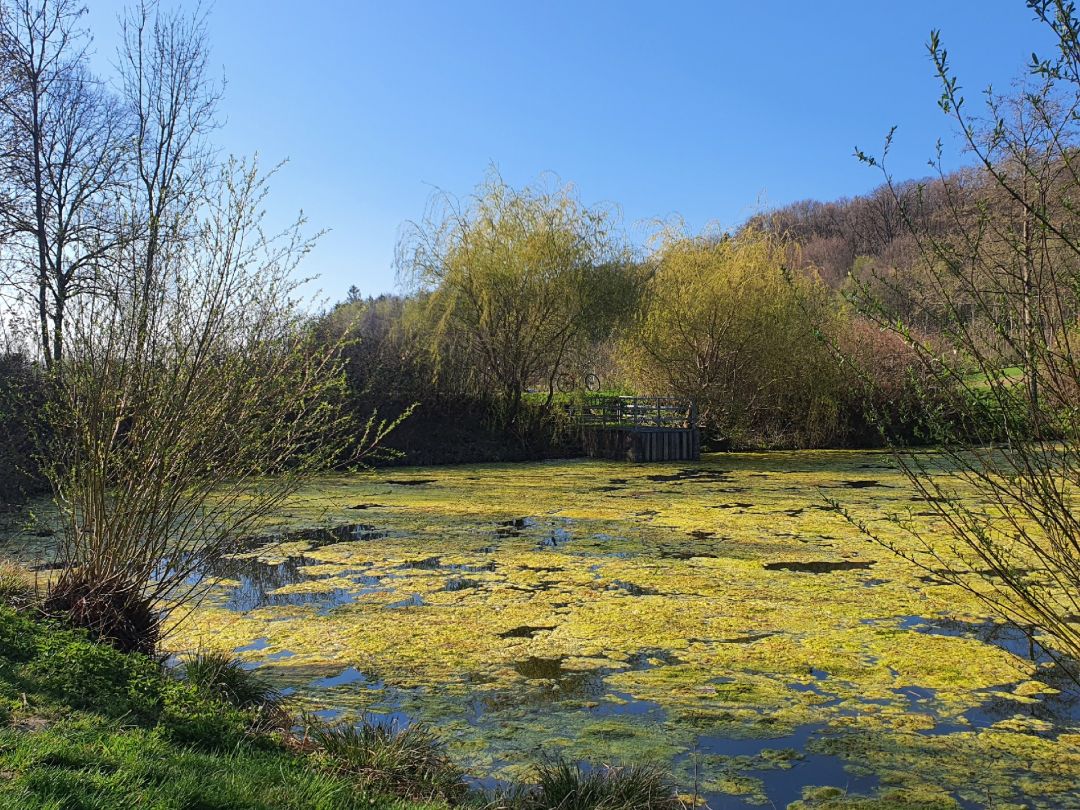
23, 393
884, 392
406, 760
727, 327
223, 674
113, 608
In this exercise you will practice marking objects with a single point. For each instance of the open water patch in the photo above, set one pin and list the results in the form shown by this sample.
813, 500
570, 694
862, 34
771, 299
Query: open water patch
316, 536
669, 553
1058, 706
258, 644
782, 766
633, 589
546, 683
258, 583
514, 527
525, 631
819, 566
461, 584
250, 583
414, 601
863, 483
425, 564
350, 676
1018, 641
696, 474
557, 537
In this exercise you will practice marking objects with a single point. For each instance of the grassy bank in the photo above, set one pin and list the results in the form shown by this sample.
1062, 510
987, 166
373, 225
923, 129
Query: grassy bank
84, 726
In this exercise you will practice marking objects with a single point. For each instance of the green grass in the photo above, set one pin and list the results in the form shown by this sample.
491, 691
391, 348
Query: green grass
565, 786
1008, 374
85, 726
16, 588
406, 760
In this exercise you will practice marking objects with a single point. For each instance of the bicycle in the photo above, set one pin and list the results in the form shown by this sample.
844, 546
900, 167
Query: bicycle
567, 382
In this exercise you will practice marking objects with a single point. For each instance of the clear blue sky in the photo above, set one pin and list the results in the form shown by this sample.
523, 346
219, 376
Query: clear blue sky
705, 110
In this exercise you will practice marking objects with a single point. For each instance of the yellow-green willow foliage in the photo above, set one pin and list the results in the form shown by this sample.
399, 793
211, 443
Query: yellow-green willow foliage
522, 282
728, 326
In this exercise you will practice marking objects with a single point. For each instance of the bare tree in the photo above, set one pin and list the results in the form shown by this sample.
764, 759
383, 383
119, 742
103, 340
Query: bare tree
63, 151
173, 103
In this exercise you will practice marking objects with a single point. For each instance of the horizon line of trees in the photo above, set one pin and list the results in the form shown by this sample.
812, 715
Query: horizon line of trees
767, 327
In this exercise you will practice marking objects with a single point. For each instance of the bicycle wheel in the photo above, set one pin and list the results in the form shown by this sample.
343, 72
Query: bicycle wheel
592, 383
565, 382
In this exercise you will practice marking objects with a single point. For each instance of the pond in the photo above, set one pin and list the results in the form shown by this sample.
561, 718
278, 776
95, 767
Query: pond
715, 616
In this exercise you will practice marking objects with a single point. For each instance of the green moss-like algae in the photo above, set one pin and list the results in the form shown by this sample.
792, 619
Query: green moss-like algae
625, 613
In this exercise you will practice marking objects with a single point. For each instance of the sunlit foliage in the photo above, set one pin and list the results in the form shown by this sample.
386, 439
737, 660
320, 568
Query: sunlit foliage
726, 325
519, 281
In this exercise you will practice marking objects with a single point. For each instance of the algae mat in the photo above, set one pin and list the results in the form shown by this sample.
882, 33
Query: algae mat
715, 616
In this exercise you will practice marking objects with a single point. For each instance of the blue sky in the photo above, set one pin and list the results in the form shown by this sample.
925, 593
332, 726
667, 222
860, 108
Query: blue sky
706, 110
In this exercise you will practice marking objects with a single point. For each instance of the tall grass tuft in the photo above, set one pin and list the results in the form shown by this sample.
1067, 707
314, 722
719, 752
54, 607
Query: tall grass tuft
565, 786
406, 760
16, 588
222, 674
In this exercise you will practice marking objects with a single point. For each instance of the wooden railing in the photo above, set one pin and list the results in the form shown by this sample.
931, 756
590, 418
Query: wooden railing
599, 411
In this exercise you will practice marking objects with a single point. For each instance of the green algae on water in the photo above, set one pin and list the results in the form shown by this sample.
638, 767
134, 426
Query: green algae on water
716, 616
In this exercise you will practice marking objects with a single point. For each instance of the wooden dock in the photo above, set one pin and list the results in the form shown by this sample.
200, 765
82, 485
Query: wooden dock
638, 428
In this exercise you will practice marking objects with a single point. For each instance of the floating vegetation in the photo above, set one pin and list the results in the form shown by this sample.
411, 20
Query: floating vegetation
717, 618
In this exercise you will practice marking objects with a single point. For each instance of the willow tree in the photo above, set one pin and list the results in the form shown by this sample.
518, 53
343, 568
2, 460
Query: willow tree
519, 281
726, 325
1004, 281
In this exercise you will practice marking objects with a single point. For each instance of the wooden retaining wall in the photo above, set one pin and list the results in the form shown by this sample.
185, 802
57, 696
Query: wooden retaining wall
643, 444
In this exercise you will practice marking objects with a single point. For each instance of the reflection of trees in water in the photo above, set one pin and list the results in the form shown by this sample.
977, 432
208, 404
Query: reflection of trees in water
1061, 705
259, 579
